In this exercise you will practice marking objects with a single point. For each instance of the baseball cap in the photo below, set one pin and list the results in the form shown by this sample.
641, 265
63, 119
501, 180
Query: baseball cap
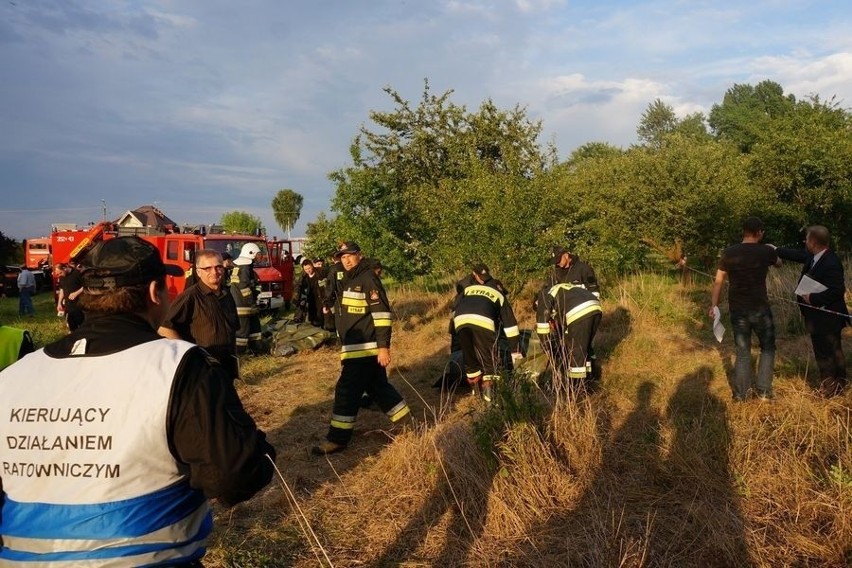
482, 271
557, 252
124, 261
346, 247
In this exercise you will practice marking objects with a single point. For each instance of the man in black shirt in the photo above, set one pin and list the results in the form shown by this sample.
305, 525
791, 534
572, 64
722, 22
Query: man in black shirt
205, 313
312, 293
70, 288
746, 265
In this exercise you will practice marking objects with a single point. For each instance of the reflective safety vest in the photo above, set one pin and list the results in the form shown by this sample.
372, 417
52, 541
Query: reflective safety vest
88, 476
484, 306
11, 339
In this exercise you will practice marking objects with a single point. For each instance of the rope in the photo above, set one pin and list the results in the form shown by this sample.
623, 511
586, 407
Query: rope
304, 525
780, 298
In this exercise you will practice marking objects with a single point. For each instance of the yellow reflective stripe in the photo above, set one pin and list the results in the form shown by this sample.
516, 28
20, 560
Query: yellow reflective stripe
359, 354
353, 294
577, 372
382, 323
473, 374
353, 302
382, 315
562, 286
491, 378
245, 292
342, 425
582, 310
359, 346
242, 311
242, 341
511, 331
474, 319
398, 411
542, 328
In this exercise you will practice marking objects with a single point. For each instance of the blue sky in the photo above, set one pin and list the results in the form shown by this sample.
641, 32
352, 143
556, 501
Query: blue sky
206, 106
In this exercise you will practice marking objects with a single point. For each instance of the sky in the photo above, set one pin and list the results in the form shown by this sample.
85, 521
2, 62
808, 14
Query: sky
200, 107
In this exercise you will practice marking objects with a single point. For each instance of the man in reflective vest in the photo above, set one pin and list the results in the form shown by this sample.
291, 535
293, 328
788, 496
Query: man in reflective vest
574, 314
363, 323
244, 292
481, 311
114, 438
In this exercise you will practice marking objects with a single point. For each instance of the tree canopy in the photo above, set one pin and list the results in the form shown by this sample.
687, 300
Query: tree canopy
287, 206
241, 222
434, 186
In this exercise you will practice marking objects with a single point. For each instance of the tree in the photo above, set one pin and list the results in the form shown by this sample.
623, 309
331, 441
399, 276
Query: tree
387, 195
241, 222
287, 206
10, 250
744, 115
658, 121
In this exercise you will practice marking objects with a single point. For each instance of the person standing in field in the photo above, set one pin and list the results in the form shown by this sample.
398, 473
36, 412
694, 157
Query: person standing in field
205, 313
363, 323
825, 313
746, 265
26, 289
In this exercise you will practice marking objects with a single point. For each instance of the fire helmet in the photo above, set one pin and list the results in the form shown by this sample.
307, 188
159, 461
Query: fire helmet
249, 250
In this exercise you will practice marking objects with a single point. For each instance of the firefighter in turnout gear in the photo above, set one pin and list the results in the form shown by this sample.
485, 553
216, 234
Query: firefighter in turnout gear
570, 269
363, 322
244, 291
480, 310
573, 313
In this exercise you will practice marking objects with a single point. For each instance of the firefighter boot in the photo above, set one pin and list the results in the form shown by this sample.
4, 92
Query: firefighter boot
327, 448
487, 392
474, 382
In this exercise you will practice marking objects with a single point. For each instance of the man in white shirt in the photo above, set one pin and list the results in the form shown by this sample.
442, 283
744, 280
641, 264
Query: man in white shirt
26, 288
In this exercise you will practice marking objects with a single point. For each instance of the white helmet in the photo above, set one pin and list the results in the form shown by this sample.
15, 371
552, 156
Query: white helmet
249, 250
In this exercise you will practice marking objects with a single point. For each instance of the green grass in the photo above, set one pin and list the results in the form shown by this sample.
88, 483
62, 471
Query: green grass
45, 326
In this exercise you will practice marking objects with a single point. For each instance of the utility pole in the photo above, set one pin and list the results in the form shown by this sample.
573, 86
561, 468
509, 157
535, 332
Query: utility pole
103, 202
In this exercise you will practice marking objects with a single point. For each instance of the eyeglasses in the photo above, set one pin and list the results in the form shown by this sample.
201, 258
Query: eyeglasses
216, 267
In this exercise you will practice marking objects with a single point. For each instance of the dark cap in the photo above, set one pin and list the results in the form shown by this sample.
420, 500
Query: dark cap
306, 261
124, 261
346, 247
482, 271
557, 252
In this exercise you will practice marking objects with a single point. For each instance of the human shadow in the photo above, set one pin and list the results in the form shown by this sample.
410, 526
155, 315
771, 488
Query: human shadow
461, 491
701, 496
652, 503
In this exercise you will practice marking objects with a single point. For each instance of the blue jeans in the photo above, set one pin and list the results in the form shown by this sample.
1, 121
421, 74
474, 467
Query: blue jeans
744, 323
25, 302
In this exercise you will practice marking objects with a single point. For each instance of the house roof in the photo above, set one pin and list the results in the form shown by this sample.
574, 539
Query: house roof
149, 216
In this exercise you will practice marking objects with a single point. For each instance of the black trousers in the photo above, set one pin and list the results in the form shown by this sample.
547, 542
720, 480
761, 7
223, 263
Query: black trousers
575, 349
358, 376
479, 348
828, 352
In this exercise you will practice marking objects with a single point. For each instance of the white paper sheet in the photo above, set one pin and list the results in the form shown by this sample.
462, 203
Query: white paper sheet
718, 328
808, 285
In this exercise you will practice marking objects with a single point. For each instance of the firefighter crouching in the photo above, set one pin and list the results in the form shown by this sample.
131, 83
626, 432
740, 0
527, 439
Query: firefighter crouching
479, 311
573, 313
244, 290
363, 322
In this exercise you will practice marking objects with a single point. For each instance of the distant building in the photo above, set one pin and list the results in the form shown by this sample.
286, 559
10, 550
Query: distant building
147, 217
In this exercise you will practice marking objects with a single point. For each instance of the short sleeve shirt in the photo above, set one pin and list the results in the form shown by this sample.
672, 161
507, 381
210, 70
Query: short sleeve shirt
207, 318
747, 265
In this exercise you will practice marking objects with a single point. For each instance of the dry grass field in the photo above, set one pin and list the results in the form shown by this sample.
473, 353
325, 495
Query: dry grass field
656, 467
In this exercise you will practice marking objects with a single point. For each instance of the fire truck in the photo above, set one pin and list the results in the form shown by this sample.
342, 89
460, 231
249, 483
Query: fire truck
274, 272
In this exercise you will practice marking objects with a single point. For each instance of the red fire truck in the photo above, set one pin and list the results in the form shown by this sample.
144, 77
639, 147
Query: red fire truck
274, 273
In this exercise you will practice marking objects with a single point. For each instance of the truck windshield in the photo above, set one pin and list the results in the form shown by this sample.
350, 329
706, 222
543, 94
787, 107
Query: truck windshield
233, 247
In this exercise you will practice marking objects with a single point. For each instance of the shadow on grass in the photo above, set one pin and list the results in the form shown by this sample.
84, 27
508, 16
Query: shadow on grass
648, 507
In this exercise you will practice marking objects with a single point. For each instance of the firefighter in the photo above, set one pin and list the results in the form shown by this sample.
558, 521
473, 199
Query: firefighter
569, 268
480, 311
363, 323
573, 313
244, 291
311, 294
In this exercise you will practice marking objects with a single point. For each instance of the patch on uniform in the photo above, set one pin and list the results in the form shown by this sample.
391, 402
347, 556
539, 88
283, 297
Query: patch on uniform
356, 288
374, 295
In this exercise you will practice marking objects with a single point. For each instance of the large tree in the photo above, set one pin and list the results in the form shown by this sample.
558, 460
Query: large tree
746, 111
241, 222
287, 206
389, 196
